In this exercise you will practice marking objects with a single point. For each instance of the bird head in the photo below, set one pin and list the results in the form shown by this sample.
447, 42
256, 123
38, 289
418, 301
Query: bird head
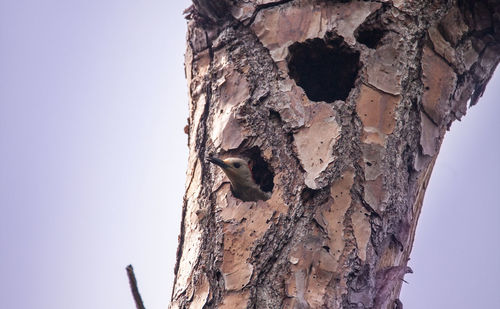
236, 169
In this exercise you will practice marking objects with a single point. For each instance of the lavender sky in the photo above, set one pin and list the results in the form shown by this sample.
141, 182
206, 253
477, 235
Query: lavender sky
93, 102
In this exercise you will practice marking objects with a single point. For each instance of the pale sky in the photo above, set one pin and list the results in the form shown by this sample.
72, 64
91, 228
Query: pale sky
93, 101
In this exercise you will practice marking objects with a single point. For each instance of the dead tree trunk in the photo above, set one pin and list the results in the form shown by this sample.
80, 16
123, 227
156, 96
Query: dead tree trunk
341, 107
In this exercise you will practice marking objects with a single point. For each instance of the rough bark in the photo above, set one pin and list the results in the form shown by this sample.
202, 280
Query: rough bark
342, 106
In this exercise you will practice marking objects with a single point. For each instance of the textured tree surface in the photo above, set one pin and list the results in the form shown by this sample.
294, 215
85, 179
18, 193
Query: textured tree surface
341, 107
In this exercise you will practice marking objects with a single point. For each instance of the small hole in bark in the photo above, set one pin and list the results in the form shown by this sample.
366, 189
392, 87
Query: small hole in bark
325, 68
308, 194
369, 36
371, 32
368, 163
274, 115
326, 248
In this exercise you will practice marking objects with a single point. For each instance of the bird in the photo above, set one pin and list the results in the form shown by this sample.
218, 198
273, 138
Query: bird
243, 185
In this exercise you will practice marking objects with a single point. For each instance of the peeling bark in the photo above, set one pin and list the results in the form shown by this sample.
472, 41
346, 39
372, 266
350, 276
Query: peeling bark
346, 104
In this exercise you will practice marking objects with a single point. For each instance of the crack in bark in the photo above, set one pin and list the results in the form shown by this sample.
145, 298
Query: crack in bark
260, 7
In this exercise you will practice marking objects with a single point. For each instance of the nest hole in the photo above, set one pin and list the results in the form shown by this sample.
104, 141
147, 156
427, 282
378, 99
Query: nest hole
261, 171
325, 68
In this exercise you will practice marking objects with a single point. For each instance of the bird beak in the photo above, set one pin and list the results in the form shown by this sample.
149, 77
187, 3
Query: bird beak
218, 162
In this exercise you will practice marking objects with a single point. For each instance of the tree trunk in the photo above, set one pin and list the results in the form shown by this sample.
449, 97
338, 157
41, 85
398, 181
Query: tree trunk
341, 107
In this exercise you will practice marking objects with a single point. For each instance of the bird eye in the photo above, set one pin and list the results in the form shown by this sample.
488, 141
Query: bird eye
237, 165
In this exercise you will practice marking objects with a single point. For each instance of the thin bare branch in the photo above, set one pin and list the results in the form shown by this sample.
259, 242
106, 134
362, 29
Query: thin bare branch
133, 287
